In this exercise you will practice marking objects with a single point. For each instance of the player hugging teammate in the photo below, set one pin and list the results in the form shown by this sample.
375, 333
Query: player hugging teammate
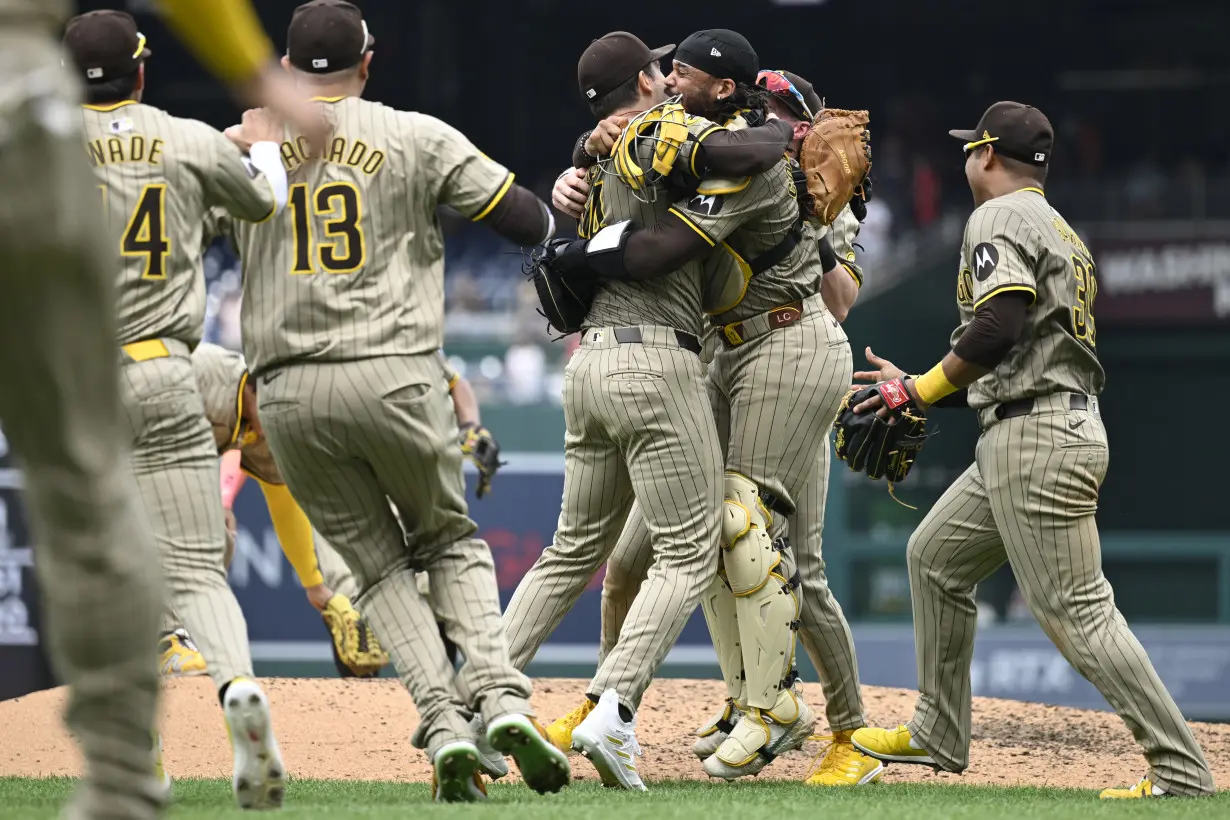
765, 253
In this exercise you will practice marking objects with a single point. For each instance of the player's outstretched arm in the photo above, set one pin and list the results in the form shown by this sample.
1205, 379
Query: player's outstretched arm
997, 326
227, 37
717, 151
464, 178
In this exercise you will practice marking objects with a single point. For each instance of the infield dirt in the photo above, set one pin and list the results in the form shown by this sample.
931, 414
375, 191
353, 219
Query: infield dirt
360, 730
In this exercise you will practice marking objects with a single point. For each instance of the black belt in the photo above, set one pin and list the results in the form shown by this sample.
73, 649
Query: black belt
776, 503
777, 253
1023, 407
633, 336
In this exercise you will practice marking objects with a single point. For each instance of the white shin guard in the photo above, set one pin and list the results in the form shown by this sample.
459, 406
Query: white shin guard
760, 574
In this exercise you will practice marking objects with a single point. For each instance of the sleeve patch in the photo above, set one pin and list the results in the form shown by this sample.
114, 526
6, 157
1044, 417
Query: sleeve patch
706, 204
986, 258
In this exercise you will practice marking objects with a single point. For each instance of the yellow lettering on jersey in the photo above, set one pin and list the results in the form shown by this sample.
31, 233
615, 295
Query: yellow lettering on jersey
965, 287
115, 150
155, 151
136, 148
96, 152
336, 150
305, 150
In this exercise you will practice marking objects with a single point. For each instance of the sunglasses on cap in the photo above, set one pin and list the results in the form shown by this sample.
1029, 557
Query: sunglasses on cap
775, 82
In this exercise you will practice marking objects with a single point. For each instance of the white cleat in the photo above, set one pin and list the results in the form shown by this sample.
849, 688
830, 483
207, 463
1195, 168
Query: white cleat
712, 734
260, 776
610, 744
758, 739
491, 762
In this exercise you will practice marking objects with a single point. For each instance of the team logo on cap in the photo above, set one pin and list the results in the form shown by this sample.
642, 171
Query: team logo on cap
713, 52
985, 260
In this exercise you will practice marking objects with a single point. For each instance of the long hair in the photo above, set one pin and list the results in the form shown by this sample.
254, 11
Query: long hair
746, 98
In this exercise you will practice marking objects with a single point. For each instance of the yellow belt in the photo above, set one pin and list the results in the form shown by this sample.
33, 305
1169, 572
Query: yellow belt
146, 350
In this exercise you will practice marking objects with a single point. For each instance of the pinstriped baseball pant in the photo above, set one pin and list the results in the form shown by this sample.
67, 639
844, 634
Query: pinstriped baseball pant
1029, 499
786, 373
175, 461
61, 410
638, 424
349, 437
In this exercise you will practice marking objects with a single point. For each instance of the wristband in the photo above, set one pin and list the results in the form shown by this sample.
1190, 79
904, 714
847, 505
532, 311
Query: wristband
934, 385
828, 257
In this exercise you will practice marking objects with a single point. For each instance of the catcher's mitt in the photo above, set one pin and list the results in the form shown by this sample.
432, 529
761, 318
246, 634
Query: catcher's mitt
565, 299
478, 445
356, 651
879, 447
836, 156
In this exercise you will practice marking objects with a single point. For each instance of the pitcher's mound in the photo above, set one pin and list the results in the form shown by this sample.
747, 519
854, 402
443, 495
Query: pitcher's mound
360, 730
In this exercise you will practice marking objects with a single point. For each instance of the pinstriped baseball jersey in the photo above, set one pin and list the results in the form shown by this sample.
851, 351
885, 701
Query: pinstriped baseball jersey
674, 300
354, 268
1018, 242
841, 234
158, 176
220, 376
751, 217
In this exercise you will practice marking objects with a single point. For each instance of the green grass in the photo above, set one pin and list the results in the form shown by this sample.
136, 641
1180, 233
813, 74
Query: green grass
28, 799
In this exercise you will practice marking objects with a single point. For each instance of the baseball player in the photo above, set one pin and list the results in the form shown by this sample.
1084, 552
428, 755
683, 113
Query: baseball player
342, 319
59, 400
1025, 359
157, 178
824, 631
230, 405
638, 426
768, 425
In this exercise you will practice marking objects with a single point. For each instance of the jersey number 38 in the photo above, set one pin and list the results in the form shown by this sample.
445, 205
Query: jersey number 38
1083, 326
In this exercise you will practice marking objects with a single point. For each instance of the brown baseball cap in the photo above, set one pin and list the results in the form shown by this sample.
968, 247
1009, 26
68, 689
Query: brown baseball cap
613, 59
1018, 131
327, 35
105, 45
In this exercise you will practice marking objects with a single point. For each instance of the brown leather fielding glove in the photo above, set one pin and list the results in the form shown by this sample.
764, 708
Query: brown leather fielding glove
356, 651
836, 157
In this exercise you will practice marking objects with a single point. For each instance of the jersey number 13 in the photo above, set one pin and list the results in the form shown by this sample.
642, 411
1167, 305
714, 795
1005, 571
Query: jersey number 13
341, 248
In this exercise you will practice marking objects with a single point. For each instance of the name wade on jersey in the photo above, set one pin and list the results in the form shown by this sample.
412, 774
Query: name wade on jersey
134, 148
341, 151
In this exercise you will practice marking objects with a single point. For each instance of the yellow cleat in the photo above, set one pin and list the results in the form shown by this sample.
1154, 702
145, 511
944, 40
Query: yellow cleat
179, 655
891, 746
560, 732
844, 765
1140, 791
